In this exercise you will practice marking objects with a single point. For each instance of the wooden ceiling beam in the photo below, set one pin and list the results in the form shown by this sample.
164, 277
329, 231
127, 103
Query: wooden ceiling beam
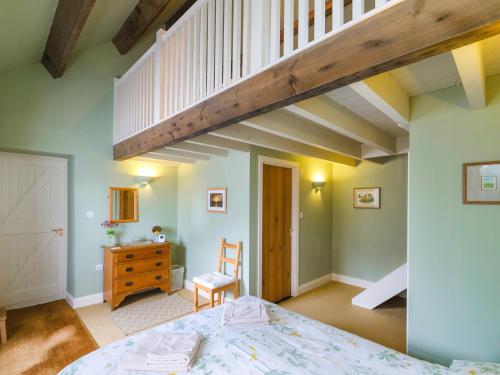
288, 126
329, 114
386, 94
470, 65
67, 25
407, 32
199, 149
136, 24
245, 134
216, 142
179, 13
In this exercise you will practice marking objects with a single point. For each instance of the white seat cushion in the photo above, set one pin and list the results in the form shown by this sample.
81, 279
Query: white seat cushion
213, 280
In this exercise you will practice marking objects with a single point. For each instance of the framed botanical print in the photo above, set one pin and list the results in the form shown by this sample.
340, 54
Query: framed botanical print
479, 183
217, 200
367, 197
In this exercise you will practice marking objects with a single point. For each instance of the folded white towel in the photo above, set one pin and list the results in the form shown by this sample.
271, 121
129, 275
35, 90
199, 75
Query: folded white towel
245, 314
137, 359
175, 347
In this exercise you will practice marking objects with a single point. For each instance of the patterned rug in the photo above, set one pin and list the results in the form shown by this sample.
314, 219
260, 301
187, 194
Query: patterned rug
150, 311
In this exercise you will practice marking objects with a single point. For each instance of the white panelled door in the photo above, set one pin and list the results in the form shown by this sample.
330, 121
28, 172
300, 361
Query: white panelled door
33, 236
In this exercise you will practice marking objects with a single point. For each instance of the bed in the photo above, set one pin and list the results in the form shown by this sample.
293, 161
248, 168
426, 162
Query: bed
292, 344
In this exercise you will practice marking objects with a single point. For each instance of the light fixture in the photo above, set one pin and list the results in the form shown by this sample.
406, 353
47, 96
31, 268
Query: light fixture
144, 180
318, 185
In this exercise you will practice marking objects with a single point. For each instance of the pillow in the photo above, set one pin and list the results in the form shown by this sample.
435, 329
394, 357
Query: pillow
474, 368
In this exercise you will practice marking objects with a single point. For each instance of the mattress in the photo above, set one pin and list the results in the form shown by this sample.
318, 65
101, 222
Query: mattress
291, 344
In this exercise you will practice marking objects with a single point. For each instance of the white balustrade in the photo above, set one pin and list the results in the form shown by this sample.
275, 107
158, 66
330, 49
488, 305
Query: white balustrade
217, 44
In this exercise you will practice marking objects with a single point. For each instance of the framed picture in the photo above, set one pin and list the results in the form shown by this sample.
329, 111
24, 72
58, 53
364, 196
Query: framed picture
367, 197
479, 183
217, 200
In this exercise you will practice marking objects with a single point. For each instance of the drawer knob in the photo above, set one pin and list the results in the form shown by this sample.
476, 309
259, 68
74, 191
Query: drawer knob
158, 264
158, 277
129, 269
129, 283
159, 251
129, 256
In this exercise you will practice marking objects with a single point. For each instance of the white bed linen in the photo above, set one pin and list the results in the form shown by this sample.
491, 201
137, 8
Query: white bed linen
291, 344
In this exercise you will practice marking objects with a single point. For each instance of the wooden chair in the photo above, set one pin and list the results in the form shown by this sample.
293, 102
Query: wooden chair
3, 328
217, 282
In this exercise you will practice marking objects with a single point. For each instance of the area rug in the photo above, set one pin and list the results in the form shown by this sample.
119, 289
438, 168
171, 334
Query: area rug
43, 339
150, 311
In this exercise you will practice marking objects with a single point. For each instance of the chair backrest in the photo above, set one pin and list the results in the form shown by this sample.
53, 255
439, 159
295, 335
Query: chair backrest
224, 259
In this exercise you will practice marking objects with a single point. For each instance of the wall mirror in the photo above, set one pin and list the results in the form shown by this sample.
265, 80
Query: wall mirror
481, 183
123, 205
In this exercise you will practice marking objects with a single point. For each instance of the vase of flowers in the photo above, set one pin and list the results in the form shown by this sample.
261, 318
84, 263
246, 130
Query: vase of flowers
110, 231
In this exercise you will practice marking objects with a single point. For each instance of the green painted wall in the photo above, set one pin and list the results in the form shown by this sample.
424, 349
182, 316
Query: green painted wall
72, 117
199, 231
370, 243
315, 226
454, 257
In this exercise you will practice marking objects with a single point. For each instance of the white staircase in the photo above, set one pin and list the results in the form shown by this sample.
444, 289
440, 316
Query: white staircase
383, 290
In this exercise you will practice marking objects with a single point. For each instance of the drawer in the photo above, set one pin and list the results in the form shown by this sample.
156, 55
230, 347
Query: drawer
128, 256
145, 265
144, 280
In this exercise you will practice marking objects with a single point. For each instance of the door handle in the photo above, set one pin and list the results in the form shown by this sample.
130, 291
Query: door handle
59, 231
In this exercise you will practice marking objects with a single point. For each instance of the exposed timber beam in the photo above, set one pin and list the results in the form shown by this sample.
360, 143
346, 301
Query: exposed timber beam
223, 144
402, 147
179, 13
255, 137
199, 149
145, 159
136, 24
401, 34
182, 154
385, 94
177, 159
469, 61
327, 113
287, 126
68, 22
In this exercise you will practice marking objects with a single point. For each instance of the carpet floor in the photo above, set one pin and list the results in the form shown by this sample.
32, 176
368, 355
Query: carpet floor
331, 304
43, 339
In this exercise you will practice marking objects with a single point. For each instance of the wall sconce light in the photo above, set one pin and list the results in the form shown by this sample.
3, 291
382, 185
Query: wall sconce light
144, 180
318, 185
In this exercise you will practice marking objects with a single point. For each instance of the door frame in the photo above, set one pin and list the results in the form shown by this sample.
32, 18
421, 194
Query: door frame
63, 287
295, 220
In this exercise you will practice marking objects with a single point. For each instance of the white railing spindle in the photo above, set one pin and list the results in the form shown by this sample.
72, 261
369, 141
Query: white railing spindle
319, 18
358, 8
303, 16
288, 20
275, 29
337, 14
236, 67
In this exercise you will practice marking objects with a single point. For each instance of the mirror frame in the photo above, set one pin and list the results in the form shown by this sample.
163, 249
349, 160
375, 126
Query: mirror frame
136, 205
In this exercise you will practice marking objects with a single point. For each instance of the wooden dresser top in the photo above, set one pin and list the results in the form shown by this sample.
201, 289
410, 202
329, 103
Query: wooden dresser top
137, 246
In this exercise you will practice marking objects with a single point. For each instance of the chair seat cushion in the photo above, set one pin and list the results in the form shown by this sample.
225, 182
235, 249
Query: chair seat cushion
213, 280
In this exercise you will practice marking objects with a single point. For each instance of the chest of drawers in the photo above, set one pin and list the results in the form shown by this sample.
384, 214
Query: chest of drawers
129, 269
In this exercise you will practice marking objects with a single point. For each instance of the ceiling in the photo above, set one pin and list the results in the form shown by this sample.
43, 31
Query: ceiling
441, 72
25, 26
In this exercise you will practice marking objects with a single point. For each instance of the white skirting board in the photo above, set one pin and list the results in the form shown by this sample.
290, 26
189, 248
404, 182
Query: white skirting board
304, 288
91, 299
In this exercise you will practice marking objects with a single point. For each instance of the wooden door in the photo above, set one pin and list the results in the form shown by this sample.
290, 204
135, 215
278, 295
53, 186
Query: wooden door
33, 241
276, 232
